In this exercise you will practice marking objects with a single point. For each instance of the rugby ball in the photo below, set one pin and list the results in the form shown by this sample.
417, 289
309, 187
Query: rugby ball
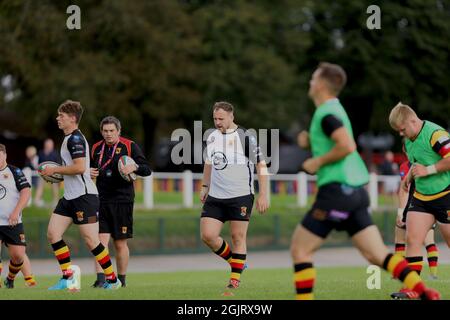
55, 178
123, 161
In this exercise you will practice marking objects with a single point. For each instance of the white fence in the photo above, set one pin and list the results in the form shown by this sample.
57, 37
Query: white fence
303, 180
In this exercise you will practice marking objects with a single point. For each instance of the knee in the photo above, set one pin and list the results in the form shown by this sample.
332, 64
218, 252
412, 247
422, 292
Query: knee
52, 237
208, 237
299, 254
91, 241
412, 240
17, 257
121, 245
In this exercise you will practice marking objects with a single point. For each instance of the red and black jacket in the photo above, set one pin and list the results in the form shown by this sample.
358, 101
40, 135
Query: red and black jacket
111, 186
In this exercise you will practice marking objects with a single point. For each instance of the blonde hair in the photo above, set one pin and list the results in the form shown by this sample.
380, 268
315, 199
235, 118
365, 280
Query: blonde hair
399, 114
226, 106
334, 75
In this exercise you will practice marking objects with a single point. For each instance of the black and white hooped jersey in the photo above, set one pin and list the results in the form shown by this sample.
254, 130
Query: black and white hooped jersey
233, 156
12, 181
73, 147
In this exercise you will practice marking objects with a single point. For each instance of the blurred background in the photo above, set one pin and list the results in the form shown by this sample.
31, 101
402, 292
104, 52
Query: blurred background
160, 65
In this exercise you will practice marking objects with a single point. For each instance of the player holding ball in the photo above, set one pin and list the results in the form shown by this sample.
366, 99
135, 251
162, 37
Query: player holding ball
116, 190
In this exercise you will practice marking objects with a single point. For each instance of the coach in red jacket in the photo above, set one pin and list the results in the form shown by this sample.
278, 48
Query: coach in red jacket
116, 194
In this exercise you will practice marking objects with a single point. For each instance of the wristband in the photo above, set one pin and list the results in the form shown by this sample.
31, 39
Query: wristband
431, 169
205, 186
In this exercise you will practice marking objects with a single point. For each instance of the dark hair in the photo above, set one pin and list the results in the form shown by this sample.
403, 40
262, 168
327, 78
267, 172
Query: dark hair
72, 108
2, 148
110, 120
334, 75
226, 106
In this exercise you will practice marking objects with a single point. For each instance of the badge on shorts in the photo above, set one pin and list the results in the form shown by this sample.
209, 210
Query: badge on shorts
22, 237
108, 173
243, 211
124, 230
448, 215
80, 215
319, 214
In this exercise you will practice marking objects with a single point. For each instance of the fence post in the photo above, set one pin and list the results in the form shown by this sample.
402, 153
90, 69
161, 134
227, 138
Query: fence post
302, 189
373, 191
188, 190
148, 192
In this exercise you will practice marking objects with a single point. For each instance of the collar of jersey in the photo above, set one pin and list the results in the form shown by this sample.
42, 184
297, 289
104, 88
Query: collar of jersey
229, 132
77, 129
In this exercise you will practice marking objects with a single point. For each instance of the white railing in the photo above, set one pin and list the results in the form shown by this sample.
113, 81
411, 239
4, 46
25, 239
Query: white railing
301, 178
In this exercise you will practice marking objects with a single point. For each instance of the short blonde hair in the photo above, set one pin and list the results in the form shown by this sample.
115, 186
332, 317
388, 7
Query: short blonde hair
334, 75
399, 114
225, 106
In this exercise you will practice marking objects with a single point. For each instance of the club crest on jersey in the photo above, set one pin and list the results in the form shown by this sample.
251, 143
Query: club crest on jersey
243, 211
5, 176
124, 230
22, 237
232, 141
118, 150
80, 215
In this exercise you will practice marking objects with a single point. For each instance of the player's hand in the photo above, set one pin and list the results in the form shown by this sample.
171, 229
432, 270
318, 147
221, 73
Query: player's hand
311, 165
48, 171
303, 139
204, 194
262, 204
129, 168
399, 221
94, 173
13, 219
419, 170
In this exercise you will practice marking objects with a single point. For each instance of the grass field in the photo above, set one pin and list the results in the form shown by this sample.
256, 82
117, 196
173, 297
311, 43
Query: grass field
334, 283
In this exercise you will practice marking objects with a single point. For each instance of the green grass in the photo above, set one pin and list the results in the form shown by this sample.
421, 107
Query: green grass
333, 283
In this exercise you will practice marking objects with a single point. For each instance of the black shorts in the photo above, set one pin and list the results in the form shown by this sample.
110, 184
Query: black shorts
338, 207
116, 219
239, 208
439, 208
405, 212
82, 210
13, 235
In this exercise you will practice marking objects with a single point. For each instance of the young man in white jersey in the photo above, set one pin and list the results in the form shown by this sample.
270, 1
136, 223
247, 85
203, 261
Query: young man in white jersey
15, 191
80, 203
227, 189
